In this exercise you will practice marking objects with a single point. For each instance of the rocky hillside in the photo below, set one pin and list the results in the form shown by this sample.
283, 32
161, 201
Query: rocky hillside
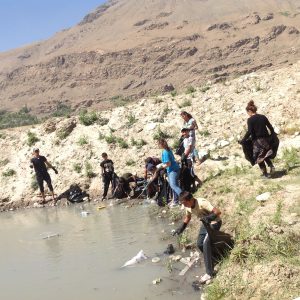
133, 48
128, 133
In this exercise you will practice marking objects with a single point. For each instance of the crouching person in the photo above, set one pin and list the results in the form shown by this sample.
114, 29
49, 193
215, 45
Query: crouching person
209, 214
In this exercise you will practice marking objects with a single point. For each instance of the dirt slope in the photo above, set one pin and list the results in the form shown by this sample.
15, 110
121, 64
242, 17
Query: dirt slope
132, 48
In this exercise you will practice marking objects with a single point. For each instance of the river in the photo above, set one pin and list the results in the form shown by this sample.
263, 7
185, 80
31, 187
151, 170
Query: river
84, 260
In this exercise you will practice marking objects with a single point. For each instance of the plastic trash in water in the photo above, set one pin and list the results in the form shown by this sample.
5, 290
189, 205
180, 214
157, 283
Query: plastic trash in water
84, 213
49, 235
136, 259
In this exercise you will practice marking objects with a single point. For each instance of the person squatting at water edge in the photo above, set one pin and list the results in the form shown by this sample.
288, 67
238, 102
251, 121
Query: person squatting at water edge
107, 168
39, 163
258, 126
169, 163
207, 213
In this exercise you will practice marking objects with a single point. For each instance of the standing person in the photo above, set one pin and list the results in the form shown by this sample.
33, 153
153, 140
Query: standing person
187, 157
209, 214
191, 124
173, 169
39, 163
107, 167
258, 126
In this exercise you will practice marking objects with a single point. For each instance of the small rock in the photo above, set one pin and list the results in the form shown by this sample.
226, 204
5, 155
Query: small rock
263, 197
223, 143
150, 126
176, 258
156, 281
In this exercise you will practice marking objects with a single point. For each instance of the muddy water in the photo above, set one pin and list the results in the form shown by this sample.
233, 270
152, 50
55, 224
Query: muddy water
84, 260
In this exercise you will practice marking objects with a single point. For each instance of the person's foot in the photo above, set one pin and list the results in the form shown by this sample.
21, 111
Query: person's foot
205, 278
173, 204
265, 176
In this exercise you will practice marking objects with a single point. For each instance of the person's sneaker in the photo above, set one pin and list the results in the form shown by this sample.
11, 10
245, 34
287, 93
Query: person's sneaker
173, 204
205, 278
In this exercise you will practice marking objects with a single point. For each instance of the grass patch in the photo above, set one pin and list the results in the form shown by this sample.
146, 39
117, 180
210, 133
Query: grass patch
88, 118
204, 89
138, 143
291, 158
277, 217
130, 162
77, 167
190, 90
82, 140
2, 135
31, 138
173, 93
4, 162
161, 135
131, 119
122, 143
111, 139
62, 110
89, 170
9, 173
16, 119
185, 103
204, 133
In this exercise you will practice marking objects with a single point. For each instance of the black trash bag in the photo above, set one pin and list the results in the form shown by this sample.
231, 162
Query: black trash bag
180, 149
74, 194
221, 243
274, 144
248, 151
187, 181
170, 249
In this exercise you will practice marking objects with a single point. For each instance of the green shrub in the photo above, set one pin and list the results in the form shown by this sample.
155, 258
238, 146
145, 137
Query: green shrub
158, 100
290, 157
190, 89
130, 162
131, 120
174, 93
88, 118
119, 101
2, 135
82, 141
122, 143
77, 167
161, 135
89, 170
34, 185
110, 139
185, 103
204, 133
62, 134
31, 138
9, 173
101, 136
62, 110
16, 119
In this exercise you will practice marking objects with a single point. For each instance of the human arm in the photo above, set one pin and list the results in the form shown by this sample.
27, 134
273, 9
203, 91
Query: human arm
48, 164
183, 226
269, 126
212, 215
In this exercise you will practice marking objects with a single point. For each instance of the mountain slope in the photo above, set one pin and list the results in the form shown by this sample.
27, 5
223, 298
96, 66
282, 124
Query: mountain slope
133, 47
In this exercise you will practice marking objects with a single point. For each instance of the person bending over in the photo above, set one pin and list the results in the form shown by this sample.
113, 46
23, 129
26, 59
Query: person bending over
39, 163
205, 211
149, 162
107, 167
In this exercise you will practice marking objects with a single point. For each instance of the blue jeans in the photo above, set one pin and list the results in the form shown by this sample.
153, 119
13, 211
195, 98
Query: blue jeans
173, 182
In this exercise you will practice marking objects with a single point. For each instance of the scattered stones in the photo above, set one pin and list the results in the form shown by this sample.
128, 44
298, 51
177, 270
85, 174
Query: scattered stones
263, 197
223, 144
156, 281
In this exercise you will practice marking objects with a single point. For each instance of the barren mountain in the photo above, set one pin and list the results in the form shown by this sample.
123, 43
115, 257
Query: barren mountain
129, 48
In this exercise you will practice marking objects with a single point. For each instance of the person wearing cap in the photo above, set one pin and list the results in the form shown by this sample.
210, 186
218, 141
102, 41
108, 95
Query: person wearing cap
40, 164
208, 214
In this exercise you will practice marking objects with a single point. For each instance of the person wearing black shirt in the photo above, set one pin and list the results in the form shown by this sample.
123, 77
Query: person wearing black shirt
150, 161
107, 167
39, 163
258, 126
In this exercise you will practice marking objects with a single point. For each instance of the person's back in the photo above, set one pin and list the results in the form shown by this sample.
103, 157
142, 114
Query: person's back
258, 125
39, 165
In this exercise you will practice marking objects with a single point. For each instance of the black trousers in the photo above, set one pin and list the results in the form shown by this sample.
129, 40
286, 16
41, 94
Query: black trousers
40, 180
204, 245
107, 179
